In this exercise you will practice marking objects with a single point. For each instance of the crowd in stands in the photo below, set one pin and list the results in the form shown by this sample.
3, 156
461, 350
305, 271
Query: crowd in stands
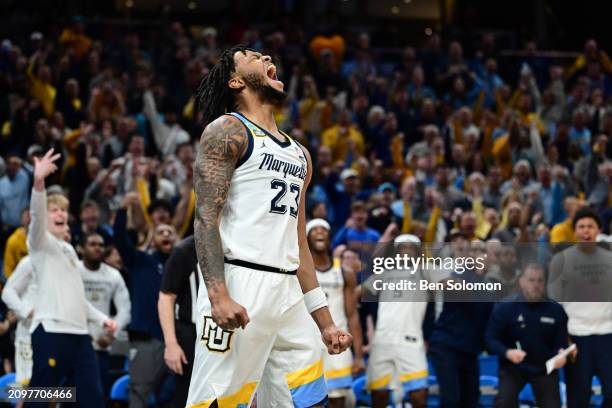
434, 143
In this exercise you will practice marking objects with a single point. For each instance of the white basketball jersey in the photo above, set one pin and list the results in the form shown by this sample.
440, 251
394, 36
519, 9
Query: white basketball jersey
332, 283
259, 220
401, 313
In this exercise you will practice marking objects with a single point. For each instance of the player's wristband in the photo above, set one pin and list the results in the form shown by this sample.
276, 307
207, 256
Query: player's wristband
315, 299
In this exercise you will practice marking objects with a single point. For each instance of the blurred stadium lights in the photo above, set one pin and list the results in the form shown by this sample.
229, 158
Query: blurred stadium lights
418, 9
175, 5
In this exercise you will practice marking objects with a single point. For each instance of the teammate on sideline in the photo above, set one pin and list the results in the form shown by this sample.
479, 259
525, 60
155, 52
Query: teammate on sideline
103, 285
250, 228
397, 352
18, 295
579, 279
60, 341
339, 284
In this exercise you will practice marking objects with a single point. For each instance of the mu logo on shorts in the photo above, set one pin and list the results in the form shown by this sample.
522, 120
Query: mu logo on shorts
216, 338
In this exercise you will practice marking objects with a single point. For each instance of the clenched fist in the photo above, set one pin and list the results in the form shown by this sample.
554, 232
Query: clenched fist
335, 339
228, 314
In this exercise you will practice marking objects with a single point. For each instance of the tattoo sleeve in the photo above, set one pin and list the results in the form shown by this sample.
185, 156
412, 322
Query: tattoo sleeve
221, 146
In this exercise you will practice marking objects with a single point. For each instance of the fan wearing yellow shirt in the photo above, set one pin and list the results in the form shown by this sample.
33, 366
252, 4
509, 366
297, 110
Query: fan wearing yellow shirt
16, 247
564, 231
343, 137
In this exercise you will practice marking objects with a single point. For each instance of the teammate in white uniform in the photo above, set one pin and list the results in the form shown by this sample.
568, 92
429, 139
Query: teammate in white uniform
250, 179
18, 294
103, 285
397, 352
339, 284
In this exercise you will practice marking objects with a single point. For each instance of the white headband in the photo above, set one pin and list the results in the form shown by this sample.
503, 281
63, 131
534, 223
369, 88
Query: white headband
317, 222
413, 239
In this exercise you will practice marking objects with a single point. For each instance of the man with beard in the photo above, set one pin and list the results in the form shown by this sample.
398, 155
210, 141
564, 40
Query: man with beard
250, 180
103, 285
144, 270
339, 284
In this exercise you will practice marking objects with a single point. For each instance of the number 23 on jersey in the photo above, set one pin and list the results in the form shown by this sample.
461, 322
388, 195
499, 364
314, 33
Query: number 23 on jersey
276, 205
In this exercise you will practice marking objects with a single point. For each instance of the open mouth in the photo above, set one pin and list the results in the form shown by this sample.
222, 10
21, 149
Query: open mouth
271, 72
320, 241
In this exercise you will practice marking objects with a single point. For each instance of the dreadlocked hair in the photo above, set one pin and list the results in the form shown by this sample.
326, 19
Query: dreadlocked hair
214, 96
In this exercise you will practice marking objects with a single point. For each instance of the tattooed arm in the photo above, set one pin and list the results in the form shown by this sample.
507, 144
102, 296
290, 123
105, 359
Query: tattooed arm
222, 144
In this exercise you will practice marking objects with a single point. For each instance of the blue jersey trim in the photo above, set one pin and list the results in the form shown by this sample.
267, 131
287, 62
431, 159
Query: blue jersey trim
284, 144
249, 149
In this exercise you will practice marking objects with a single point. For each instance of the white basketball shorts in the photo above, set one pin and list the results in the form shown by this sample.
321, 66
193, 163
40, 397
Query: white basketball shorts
277, 355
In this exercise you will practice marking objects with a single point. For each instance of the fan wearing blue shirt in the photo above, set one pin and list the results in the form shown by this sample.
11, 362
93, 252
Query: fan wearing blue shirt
355, 234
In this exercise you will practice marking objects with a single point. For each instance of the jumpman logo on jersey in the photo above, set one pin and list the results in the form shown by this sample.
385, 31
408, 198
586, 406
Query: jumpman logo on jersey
263, 143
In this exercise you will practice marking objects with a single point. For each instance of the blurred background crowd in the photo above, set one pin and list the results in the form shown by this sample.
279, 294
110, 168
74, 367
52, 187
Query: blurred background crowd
442, 133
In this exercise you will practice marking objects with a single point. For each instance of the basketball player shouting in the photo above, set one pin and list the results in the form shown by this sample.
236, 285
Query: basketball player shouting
250, 181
